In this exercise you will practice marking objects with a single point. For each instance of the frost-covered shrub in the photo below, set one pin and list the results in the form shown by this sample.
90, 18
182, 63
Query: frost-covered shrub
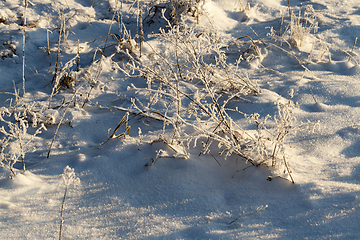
193, 79
268, 143
195, 85
15, 139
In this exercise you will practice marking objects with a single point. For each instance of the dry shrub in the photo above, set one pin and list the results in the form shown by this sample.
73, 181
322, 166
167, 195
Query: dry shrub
195, 84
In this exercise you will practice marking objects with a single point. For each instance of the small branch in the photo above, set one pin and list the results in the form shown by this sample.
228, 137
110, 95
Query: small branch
287, 169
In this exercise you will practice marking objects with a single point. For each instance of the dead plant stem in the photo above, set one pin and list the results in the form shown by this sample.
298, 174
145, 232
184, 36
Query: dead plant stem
62, 212
352, 50
62, 22
287, 169
23, 57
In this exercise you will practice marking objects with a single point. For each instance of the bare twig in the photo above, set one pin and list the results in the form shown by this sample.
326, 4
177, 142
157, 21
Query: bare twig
352, 50
287, 168
58, 126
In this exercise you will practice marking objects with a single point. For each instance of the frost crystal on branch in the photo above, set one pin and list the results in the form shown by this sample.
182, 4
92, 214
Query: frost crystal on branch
69, 177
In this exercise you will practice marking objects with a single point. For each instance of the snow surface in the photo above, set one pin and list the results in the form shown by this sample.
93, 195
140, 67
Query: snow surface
176, 198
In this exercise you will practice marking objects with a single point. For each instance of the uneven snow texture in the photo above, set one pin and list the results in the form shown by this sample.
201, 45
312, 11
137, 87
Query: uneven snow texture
175, 197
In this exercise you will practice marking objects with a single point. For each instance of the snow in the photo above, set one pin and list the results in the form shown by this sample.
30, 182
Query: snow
144, 186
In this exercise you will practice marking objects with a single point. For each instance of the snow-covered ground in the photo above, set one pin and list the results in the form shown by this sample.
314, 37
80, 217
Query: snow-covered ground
203, 81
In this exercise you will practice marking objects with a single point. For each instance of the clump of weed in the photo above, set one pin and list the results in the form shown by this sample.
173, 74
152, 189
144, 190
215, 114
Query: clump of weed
298, 29
173, 11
